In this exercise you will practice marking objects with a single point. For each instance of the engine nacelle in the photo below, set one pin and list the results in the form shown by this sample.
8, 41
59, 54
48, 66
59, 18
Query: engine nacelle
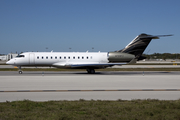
120, 57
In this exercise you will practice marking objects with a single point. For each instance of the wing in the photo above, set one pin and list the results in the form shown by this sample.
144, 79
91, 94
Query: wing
86, 65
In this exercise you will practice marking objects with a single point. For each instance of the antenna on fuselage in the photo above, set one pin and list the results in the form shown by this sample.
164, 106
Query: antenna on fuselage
46, 49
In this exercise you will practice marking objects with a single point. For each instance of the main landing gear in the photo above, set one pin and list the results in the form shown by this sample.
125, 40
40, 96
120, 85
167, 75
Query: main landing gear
90, 71
20, 71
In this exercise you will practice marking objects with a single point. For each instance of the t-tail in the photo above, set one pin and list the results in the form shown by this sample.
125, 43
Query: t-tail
134, 49
139, 44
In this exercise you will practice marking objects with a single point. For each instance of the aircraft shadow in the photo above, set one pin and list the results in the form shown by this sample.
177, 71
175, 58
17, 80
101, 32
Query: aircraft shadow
101, 73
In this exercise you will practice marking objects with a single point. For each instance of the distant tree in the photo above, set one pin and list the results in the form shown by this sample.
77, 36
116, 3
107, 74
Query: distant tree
163, 56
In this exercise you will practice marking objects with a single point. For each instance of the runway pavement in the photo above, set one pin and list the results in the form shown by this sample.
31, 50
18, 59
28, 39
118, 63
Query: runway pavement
45, 86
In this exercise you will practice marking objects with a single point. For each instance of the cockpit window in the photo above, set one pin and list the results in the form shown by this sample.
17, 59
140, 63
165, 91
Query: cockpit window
20, 56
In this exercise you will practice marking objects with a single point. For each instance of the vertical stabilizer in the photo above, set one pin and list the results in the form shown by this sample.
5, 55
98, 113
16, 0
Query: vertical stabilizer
139, 44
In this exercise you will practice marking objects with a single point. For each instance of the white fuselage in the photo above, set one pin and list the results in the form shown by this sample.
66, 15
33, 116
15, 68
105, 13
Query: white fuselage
58, 59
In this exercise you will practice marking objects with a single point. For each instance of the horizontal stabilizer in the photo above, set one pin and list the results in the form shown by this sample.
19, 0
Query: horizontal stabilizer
155, 37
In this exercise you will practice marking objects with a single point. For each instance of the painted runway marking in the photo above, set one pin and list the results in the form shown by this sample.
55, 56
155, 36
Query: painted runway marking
89, 90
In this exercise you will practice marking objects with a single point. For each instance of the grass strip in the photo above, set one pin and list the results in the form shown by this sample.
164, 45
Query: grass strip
100, 110
155, 63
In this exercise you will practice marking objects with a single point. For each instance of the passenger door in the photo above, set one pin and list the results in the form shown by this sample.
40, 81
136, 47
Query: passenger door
31, 59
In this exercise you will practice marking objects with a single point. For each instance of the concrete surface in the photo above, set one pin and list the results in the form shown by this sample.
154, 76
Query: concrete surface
82, 81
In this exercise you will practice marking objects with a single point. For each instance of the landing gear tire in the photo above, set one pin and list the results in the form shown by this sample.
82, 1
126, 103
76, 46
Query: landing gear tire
20, 71
90, 71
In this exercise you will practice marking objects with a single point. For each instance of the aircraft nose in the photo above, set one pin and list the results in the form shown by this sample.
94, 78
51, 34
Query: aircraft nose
10, 62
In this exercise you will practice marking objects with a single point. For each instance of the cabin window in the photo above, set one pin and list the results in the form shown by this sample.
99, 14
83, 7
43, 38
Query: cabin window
55, 57
68, 57
37, 57
46, 57
42, 57
82, 57
91, 57
73, 57
59, 57
78, 57
87, 57
64, 57
51, 57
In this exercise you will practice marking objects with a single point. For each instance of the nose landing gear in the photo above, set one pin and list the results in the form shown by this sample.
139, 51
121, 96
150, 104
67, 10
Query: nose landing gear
20, 71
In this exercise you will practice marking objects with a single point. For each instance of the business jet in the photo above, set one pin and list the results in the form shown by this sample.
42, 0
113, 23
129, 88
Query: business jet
86, 60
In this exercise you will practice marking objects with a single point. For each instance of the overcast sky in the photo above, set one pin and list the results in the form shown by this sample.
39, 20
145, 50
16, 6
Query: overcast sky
105, 25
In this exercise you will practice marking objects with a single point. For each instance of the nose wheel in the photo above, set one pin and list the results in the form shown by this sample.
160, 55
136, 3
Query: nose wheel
20, 71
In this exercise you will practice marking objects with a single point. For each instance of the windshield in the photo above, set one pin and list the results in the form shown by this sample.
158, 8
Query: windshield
20, 56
